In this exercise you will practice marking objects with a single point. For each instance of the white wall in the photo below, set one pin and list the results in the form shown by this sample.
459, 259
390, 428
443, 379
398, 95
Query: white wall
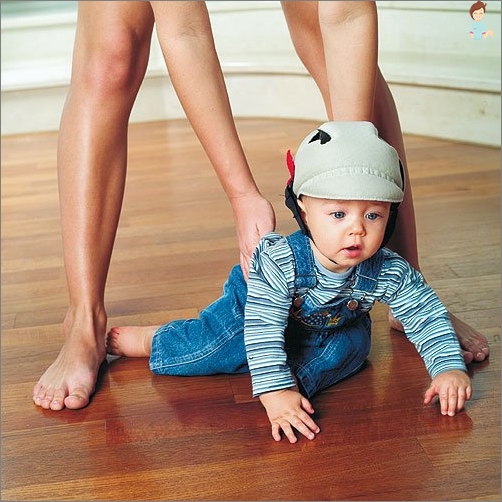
444, 83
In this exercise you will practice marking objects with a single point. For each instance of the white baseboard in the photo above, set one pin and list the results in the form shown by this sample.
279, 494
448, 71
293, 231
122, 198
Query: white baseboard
437, 94
456, 114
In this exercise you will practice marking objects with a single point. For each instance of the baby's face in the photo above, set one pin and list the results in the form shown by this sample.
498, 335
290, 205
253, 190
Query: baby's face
345, 232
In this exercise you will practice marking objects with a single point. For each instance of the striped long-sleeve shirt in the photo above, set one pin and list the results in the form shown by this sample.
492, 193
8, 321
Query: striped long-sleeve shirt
271, 286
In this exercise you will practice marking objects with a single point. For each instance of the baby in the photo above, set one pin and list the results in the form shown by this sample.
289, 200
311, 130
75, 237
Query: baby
301, 323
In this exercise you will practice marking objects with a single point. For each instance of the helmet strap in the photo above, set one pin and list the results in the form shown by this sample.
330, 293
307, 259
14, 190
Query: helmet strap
292, 203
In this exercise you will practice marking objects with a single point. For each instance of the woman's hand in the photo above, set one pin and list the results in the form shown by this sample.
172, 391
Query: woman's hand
254, 217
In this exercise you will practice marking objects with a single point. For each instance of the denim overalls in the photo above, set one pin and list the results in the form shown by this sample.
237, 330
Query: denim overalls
329, 342
324, 343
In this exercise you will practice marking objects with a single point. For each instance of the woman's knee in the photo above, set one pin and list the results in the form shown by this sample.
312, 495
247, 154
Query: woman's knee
111, 49
113, 65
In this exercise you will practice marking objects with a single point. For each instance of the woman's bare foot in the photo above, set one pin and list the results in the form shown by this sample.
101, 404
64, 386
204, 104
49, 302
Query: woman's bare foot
130, 341
474, 345
71, 379
472, 342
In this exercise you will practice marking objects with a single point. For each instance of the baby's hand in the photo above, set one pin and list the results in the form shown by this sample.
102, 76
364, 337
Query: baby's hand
287, 408
453, 388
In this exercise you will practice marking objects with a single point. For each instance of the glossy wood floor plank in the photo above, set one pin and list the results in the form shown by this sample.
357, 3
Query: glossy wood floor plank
149, 437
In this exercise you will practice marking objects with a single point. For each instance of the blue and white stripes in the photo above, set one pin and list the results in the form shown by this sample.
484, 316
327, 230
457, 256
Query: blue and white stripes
271, 289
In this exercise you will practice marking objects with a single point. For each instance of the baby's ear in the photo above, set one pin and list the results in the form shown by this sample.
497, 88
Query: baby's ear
303, 212
301, 204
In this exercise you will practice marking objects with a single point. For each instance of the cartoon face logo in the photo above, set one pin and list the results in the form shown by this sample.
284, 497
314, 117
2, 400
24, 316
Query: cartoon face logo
478, 14
478, 29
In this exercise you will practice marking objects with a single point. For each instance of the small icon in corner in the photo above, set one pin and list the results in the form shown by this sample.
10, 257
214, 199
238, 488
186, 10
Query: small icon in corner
478, 29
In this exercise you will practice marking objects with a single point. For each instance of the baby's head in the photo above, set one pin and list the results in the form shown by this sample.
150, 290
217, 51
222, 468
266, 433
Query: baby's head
346, 161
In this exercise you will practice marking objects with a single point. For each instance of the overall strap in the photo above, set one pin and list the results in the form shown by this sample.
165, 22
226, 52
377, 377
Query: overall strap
368, 271
304, 262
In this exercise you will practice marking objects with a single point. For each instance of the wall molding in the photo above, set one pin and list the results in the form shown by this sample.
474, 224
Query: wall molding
444, 84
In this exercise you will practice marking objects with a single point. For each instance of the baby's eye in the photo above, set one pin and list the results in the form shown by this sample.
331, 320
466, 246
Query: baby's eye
338, 214
372, 216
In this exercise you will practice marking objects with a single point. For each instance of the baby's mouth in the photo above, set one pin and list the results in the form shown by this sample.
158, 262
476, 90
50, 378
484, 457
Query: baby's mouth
353, 251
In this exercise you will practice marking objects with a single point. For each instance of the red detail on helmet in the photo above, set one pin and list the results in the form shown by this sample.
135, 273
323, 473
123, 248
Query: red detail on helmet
291, 167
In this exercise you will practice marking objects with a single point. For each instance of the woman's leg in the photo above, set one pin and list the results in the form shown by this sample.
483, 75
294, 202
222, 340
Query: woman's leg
109, 62
319, 30
303, 22
186, 38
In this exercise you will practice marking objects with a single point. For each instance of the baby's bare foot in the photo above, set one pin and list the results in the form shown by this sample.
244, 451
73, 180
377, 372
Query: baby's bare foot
130, 341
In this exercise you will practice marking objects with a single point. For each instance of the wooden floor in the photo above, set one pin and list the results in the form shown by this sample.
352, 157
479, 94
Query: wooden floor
146, 437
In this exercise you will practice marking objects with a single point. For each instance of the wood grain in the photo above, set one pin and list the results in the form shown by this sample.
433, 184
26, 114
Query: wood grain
148, 437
